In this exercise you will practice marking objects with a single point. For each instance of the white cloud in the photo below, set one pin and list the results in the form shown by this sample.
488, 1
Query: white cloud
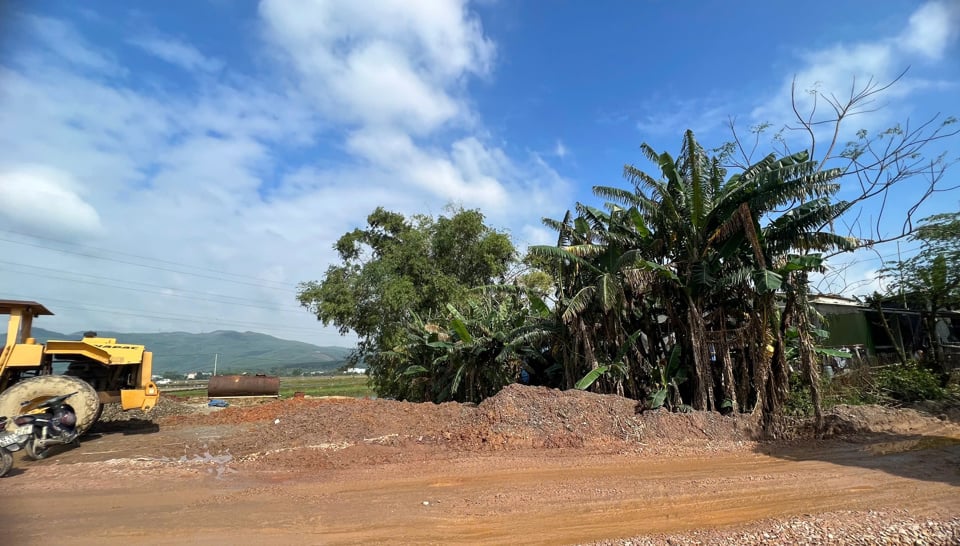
248, 181
46, 201
395, 77
560, 150
60, 38
469, 173
931, 29
670, 117
400, 64
537, 235
102, 134
377, 85
178, 53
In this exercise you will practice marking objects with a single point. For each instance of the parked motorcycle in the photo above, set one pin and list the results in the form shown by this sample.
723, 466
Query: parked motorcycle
52, 422
9, 443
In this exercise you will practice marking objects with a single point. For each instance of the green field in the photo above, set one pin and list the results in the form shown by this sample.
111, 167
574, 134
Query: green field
339, 385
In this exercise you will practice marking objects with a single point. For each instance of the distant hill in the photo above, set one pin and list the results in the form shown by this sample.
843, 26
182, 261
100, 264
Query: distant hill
239, 351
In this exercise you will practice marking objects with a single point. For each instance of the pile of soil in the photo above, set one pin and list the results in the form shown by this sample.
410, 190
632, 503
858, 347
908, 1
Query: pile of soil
306, 432
336, 431
312, 432
539, 417
853, 422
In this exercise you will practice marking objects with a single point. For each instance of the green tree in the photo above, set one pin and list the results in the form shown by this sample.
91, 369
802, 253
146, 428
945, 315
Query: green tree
710, 254
930, 280
470, 353
398, 267
601, 277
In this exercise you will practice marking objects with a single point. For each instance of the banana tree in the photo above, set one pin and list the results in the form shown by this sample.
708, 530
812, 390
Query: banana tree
602, 291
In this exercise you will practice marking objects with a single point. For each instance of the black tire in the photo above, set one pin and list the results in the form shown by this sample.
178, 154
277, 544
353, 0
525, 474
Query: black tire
34, 451
6, 461
85, 403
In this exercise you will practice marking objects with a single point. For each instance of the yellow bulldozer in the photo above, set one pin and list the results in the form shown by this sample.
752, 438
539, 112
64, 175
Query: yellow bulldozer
98, 369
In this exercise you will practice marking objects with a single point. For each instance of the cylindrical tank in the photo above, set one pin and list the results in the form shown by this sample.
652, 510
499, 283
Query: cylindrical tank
243, 385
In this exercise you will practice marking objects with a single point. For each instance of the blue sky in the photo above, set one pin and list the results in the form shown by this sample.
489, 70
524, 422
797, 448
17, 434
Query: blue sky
182, 165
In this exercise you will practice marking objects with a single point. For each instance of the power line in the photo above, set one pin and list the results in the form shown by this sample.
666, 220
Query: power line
139, 257
146, 266
171, 317
200, 297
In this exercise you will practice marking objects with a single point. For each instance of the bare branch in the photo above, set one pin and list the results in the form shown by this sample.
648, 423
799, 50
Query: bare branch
805, 123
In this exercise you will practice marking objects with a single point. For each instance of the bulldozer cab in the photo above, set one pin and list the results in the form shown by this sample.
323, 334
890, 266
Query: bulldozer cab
20, 323
21, 352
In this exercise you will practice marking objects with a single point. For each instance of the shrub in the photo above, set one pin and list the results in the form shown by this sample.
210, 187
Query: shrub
866, 383
909, 383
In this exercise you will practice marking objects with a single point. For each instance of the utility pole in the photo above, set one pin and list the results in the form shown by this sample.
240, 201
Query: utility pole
216, 357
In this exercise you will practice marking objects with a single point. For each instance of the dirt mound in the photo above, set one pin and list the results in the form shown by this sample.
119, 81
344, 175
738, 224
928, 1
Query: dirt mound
306, 431
520, 416
539, 417
860, 420
332, 432
945, 410
338, 418
303, 432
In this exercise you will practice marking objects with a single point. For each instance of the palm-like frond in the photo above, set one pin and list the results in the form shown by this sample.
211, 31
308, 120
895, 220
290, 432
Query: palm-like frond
640, 180
579, 302
565, 232
617, 195
808, 216
597, 219
649, 153
609, 291
586, 251
816, 241
692, 168
547, 251
555, 225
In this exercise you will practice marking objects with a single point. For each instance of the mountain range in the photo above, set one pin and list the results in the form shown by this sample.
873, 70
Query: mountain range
182, 352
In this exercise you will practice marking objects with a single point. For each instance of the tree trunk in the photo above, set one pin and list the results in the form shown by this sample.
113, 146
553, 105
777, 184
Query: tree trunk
729, 380
759, 360
938, 357
808, 356
896, 340
703, 375
776, 382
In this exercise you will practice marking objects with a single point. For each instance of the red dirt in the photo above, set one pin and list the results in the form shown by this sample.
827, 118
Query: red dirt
530, 465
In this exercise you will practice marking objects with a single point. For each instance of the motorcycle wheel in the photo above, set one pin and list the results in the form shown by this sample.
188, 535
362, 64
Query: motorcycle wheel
34, 451
6, 461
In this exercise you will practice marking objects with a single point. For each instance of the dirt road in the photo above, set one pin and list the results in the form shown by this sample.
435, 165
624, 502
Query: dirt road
123, 488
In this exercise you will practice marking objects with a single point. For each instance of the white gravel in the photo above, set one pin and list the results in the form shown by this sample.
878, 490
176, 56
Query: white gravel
833, 528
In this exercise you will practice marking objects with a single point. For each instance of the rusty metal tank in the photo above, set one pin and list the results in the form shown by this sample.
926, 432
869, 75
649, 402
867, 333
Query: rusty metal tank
243, 385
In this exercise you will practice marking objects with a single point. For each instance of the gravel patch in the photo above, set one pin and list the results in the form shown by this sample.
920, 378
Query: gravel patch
834, 528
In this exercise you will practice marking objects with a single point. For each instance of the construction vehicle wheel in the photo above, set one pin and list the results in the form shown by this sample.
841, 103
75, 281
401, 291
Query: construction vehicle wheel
85, 403
6, 461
